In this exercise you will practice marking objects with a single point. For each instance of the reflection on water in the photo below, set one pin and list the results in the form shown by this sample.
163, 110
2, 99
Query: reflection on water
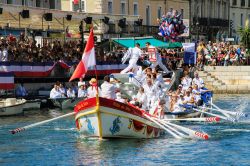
58, 143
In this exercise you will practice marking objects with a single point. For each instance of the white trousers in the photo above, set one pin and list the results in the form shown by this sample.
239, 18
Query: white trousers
132, 64
159, 62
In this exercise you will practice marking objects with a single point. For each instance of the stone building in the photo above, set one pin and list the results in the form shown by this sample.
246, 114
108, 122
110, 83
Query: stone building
239, 15
209, 19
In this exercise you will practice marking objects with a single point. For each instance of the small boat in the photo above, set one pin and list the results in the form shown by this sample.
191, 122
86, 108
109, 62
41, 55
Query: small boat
32, 104
107, 118
11, 106
62, 103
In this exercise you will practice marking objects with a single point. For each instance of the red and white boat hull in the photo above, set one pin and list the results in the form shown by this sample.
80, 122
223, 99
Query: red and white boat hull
112, 119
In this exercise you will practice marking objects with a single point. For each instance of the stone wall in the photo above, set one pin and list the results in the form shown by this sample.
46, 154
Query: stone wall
227, 79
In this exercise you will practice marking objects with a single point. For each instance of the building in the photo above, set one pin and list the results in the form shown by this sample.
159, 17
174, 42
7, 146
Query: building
239, 16
209, 19
50, 4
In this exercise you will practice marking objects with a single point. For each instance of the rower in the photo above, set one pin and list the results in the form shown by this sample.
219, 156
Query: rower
108, 89
197, 80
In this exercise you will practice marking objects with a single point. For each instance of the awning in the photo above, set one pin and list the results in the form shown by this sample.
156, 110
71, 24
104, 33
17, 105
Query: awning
173, 45
130, 42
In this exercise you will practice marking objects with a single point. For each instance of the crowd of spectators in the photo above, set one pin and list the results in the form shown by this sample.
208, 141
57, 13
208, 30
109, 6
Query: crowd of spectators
220, 54
24, 49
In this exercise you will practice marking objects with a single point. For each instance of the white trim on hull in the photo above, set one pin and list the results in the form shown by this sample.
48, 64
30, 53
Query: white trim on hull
8, 109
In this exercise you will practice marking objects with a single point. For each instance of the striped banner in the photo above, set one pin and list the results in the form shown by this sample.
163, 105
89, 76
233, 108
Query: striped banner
7, 80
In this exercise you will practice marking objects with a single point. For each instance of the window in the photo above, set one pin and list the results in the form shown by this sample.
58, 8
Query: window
159, 12
248, 3
233, 19
235, 2
110, 7
135, 9
38, 3
148, 15
123, 8
9, 1
249, 20
75, 7
218, 9
241, 20
225, 10
182, 13
242, 3
83, 5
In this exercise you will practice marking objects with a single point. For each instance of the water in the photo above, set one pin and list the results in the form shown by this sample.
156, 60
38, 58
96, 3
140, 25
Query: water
58, 143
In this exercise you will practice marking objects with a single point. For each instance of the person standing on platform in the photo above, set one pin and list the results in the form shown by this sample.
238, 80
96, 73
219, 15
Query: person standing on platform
135, 54
155, 57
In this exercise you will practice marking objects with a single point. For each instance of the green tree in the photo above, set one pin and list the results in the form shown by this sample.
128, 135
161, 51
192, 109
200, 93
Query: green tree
245, 36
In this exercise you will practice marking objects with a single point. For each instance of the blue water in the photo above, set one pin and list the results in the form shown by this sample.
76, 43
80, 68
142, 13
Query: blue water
58, 143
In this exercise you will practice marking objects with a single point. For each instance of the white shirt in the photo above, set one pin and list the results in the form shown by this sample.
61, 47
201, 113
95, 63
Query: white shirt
92, 91
108, 90
198, 81
142, 98
82, 93
55, 94
135, 53
186, 82
71, 93
5, 55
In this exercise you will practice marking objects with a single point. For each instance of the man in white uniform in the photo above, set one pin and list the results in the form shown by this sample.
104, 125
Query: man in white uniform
55, 92
158, 59
136, 53
197, 80
107, 89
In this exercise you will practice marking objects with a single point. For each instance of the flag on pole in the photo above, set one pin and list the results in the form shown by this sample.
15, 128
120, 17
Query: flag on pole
76, 2
88, 58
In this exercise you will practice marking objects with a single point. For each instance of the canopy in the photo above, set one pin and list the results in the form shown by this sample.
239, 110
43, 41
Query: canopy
130, 42
173, 45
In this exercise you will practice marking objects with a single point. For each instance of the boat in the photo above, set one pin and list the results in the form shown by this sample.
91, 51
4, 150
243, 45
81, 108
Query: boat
11, 106
106, 118
32, 104
62, 103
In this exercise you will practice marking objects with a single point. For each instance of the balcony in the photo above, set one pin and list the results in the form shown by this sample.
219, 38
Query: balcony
215, 22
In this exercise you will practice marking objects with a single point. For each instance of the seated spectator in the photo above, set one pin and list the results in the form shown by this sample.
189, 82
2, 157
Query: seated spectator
71, 93
82, 92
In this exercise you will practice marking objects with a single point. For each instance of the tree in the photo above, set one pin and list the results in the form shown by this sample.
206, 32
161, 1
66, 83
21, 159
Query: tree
245, 36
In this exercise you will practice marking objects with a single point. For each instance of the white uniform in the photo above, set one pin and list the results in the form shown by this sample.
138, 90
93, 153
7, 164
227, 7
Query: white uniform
92, 91
71, 93
135, 55
82, 93
186, 82
142, 99
55, 94
4, 55
108, 90
199, 81
151, 94
158, 62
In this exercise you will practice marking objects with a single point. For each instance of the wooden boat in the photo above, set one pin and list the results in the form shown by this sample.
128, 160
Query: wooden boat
11, 106
107, 118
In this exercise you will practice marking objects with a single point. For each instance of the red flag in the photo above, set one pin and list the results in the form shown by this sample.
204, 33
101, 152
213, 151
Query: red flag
76, 2
88, 58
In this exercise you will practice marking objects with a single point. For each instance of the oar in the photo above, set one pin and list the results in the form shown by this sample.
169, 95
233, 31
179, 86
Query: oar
162, 126
207, 119
212, 114
187, 130
17, 130
229, 112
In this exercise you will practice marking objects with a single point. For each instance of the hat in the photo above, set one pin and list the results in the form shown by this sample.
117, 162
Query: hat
180, 85
181, 94
93, 81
